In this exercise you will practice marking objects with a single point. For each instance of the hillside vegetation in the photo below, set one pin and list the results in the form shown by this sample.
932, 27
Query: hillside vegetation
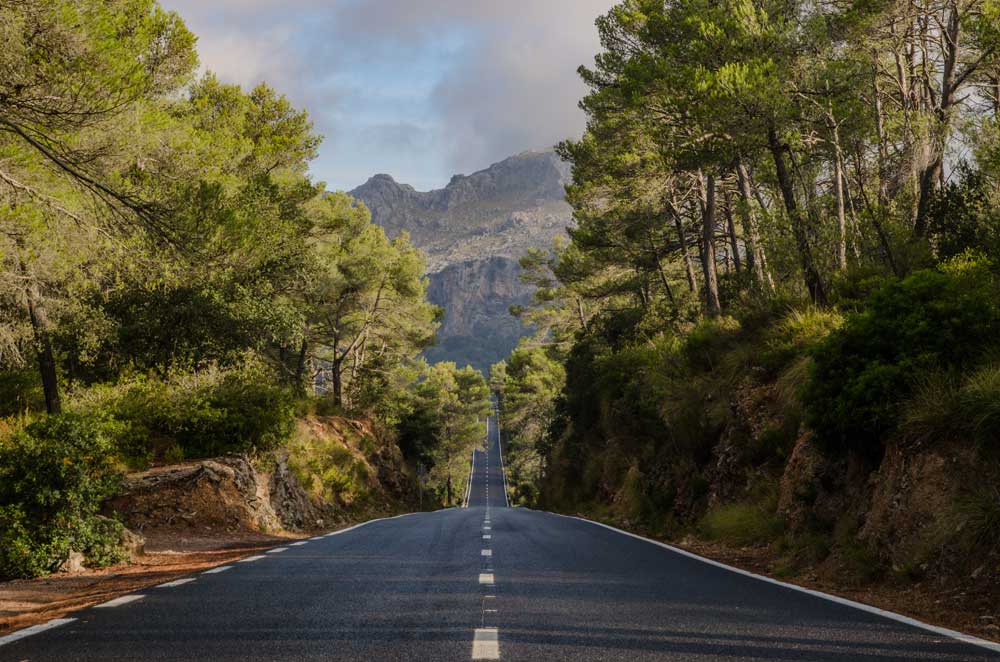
776, 324
175, 287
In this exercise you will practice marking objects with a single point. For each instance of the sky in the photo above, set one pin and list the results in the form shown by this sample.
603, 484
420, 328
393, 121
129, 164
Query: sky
418, 89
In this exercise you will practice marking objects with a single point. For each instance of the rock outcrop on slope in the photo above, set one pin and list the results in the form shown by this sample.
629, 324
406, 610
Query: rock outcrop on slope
474, 230
478, 328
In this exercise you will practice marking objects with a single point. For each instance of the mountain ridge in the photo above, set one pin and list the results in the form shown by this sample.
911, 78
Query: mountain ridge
473, 232
501, 210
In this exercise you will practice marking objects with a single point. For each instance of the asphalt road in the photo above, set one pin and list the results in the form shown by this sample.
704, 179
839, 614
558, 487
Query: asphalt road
432, 586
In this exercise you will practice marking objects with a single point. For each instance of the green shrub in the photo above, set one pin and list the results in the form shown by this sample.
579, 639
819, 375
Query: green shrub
745, 523
981, 509
963, 215
932, 320
631, 501
20, 391
797, 333
207, 414
708, 340
948, 406
981, 400
54, 475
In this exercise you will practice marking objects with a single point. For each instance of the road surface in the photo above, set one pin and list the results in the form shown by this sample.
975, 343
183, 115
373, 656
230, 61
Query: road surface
485, 582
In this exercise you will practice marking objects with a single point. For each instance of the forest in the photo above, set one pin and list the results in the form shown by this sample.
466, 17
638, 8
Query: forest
174, 285
776, 321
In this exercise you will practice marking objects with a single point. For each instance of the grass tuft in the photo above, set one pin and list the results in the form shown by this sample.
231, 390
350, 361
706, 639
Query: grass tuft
750, 522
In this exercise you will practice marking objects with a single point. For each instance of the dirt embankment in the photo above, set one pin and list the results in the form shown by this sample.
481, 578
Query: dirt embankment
195, 515
892, 533
903, 532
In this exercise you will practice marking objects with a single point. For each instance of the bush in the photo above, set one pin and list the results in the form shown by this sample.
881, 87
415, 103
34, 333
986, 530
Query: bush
326, 461
20, 392
745, 523
981, 509
708, 340
947, 407
54, 475
797, 333
964, 217
207, 414
932, 320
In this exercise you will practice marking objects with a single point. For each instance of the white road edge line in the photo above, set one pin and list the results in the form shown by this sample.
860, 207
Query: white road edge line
125, 599
299, 544
276, 550
472, 473
893, 616
503, 471
361, 524
118, 602
215, 571
485, 644
176, 582
34, 629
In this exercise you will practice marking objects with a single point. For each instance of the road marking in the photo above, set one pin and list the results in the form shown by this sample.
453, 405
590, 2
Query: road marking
899, 618
34, 629
485, 645
176, 582
486, 528
118, 602
486, 578
276, 550
487, 536
299, 544
487, 552
215, 571
251, 559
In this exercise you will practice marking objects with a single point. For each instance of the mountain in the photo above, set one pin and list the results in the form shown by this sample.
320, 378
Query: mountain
473, 231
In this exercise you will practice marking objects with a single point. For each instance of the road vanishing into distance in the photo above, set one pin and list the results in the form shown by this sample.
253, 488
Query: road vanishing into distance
482, 582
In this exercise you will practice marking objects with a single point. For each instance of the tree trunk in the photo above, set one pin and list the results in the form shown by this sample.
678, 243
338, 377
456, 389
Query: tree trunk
733, 243
663, 274
838, 188
873, 213
755, 258
300, 366
883, 150
682, 237
814, 283
707, 189
935, 168
337, 372
580, 314
43, 348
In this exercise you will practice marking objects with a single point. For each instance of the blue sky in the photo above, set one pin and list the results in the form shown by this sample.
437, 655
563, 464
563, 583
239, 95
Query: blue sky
420, 89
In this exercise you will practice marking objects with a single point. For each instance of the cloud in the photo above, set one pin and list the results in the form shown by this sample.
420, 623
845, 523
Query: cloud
428, 87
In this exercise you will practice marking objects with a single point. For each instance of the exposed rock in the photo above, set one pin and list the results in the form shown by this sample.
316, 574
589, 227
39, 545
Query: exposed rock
289, 500
911, 514
134, 543
73, 563
214, 494
474, 230
799, 483
477, 295
514, 204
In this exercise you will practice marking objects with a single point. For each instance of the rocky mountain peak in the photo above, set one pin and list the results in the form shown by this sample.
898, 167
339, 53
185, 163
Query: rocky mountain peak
473, 231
